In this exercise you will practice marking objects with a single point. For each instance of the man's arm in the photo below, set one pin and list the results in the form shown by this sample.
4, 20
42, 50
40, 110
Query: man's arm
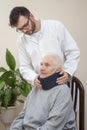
26, 67
71, 52
60, 111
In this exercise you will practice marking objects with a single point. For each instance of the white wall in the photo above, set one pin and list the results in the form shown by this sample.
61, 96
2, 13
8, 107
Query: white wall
73, 13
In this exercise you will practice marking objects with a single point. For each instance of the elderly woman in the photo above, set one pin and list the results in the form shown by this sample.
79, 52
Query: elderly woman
50, 106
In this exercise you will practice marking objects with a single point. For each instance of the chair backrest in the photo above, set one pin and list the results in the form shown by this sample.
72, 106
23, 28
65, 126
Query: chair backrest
77, 92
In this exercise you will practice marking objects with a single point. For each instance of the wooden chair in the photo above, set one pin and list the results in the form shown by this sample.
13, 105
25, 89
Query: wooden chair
77, 92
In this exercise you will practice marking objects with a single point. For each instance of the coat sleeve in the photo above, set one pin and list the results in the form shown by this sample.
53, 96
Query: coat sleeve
26, 67
70, 50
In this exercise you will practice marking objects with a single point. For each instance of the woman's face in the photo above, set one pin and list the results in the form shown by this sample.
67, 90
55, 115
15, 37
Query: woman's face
47, 67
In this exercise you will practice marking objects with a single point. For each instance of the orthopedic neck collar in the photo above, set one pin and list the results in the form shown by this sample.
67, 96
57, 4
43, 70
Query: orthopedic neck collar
49, 82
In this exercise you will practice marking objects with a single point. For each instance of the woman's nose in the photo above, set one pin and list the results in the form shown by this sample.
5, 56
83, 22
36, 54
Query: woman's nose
42, 67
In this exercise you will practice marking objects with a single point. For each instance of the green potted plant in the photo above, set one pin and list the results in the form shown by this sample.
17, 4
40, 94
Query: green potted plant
12, 84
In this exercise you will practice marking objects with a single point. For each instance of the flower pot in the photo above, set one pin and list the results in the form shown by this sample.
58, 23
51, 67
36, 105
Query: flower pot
9, 114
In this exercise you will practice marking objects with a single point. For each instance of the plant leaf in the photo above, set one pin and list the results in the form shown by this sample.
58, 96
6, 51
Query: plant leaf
2, 84
20, 100
9, 78
10, 60
6, 75
25, 89
2, 69
7, 97
0, 106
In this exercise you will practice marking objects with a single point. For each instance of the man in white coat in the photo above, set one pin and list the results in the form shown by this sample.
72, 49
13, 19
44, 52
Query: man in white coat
38, 37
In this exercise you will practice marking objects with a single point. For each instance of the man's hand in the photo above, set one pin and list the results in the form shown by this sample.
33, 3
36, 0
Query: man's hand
37, 82
63, 79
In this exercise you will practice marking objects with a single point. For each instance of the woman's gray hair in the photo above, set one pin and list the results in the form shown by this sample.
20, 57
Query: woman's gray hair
56, 59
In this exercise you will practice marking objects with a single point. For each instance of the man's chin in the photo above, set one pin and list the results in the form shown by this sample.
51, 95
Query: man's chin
29, 33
